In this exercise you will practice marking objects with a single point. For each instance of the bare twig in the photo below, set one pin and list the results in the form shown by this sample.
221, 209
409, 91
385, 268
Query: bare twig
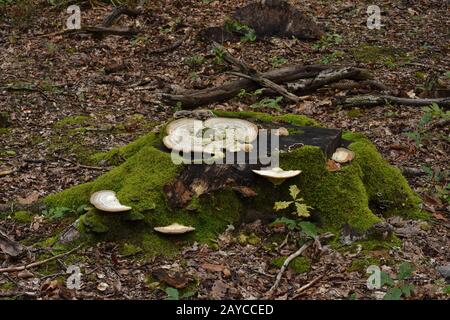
285, 265
170, 47
292, 257
371, 101
38, 263
307, 286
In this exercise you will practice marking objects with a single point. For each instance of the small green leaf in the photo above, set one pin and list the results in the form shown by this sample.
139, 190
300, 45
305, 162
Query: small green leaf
386, 279
280, 205
172, 294
405, 270
294, 191
447, 290
308, 228
393, 294
302, 209
406, 289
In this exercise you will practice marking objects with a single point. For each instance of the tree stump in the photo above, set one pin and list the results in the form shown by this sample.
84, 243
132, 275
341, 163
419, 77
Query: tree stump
210, 197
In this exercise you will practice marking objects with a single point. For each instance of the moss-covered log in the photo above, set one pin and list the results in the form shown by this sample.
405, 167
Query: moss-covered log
358, 195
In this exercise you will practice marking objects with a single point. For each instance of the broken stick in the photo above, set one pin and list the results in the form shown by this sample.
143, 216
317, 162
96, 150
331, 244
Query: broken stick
371, 101
252, 74
38, 263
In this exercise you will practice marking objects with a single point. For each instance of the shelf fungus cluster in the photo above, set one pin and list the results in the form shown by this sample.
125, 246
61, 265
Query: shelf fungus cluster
212, 136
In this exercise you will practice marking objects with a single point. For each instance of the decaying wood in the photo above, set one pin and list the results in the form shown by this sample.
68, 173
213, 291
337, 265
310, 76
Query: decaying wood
372, 100
249, 73
203, 179
277, 17
329, 76
116, 13
282, 75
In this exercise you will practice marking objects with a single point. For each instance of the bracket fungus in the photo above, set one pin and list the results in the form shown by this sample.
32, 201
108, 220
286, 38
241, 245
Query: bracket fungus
107, 201
277, 175
210, 136
343, 155
174, 228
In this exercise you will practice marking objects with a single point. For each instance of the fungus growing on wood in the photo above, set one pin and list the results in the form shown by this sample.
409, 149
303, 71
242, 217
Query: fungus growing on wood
211, 136
107, 201
342, 155
277, 175
174, 228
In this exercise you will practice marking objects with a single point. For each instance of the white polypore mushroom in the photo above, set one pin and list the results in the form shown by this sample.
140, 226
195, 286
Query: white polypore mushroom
106, 200
174, 228
184, 135
242, 130
212, 136
277, 175
342, 155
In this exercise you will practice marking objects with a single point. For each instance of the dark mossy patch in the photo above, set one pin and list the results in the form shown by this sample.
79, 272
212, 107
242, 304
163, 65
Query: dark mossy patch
129, 250
78, 120
298, 264
354, 113
23, 216
361, 264
351, 196
389, 56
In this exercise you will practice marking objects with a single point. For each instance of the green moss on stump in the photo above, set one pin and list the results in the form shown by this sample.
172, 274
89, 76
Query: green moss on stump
366, 186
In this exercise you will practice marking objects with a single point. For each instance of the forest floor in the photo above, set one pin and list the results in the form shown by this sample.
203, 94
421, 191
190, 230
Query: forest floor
69, 96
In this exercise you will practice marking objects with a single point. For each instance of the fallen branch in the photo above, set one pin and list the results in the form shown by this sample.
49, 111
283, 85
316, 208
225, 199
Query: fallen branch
329, 76
39, 263
170, 47
116, 13
371, 101
252, 74
96, 31
231, 89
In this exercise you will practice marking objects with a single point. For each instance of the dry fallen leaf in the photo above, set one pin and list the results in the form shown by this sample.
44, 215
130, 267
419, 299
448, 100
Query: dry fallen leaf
213, 267
29, 199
